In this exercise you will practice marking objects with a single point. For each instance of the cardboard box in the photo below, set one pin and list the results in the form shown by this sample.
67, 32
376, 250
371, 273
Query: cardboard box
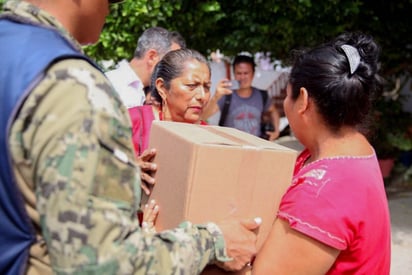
210, 173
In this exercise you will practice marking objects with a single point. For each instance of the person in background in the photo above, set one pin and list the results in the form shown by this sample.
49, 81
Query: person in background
181, 84
242, 108
69, 182
178, 39
132, 79
268, 117
334, 217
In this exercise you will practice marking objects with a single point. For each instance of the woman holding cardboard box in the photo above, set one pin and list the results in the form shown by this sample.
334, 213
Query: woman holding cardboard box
180, 89
334, 217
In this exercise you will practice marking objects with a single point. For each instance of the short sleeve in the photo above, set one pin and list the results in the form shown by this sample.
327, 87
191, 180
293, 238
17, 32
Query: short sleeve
310, 207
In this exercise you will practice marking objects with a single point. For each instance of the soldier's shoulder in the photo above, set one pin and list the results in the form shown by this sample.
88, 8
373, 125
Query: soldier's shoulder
81, 72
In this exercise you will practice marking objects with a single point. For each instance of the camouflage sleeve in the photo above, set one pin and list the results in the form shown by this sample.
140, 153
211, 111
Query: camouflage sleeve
77, 141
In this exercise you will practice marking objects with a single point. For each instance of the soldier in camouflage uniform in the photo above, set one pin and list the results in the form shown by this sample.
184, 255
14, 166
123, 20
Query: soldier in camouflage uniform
73, 162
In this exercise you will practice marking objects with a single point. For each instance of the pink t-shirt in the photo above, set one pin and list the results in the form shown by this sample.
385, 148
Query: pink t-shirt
341, 202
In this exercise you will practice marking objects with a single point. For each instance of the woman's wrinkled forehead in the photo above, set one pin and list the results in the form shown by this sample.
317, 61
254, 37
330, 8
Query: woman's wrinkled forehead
192, 64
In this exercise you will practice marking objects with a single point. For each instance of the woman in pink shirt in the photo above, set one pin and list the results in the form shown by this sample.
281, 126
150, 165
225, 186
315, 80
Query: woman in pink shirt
334, 217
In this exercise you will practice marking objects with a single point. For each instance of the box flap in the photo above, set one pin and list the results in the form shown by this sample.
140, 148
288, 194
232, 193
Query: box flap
217, 135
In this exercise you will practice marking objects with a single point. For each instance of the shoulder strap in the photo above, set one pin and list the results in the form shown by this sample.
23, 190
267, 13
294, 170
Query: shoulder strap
228, 99
225, 110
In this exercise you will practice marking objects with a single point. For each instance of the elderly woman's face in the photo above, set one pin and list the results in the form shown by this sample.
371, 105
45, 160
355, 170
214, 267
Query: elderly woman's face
189, 93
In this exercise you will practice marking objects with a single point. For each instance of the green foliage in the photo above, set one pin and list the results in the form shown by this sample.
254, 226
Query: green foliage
261, 25
280, 26
124, 25
392, 126
389, 23
232, 26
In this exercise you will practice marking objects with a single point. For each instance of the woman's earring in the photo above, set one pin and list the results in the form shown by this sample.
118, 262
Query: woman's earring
165, 111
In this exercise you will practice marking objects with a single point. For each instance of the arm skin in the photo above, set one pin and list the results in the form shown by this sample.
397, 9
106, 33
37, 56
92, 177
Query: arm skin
286, 251
222, 88
275, 121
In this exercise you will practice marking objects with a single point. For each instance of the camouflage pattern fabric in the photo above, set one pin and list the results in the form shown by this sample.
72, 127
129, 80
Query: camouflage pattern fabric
74, 161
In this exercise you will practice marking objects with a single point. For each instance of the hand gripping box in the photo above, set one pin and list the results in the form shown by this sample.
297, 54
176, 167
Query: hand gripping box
210, 173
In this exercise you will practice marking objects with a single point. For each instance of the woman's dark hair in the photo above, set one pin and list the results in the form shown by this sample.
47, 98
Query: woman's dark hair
342, 98
244, 59
171, 66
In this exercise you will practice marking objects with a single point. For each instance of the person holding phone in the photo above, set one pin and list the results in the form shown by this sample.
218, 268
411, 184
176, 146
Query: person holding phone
242, 105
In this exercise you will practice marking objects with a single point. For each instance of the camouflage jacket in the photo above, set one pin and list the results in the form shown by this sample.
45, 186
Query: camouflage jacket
74, 163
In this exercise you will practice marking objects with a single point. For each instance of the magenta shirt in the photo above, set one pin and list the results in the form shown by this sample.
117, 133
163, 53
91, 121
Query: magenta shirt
142, 118
342, 203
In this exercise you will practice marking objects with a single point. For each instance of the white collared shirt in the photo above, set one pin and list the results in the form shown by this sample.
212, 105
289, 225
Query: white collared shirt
127, 84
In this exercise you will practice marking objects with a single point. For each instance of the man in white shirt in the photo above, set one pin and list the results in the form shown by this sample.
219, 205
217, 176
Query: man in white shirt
131, 78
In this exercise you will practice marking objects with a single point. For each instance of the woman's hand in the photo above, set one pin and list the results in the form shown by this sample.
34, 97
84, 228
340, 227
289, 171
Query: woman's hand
147, 169
150, 212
